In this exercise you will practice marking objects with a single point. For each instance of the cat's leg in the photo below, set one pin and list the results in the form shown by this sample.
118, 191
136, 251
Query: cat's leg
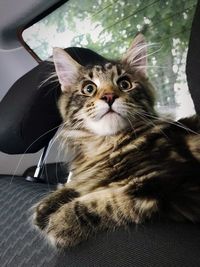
109, 208
51, 203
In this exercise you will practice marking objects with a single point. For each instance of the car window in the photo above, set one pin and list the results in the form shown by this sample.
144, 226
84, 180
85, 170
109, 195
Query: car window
109, 26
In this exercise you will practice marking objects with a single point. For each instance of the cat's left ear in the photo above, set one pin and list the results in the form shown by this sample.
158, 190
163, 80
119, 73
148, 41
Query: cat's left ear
136, 56
67, 68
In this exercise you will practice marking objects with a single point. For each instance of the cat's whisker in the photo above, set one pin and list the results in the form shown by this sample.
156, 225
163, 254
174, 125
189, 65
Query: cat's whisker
51, 143
147, 115
53, 78
175, 123
24, 154
53, 140
144, 118
66, 132
84, 112
164, 119
138, 59
132, 127
140, 48
152, 123
151, 66
141, 117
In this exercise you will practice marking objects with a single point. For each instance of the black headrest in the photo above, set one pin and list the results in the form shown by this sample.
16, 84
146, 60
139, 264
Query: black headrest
28, 113
193, 60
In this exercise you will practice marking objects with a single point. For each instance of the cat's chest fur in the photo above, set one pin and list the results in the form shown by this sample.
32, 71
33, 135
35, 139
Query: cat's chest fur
124, 156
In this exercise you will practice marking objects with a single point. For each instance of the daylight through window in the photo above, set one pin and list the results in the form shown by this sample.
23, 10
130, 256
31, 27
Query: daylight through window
109, 26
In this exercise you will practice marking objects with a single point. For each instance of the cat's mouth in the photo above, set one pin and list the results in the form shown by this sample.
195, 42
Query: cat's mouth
108, 121
109, 112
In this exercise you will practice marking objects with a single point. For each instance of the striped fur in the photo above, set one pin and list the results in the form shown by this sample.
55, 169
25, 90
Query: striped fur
130, 165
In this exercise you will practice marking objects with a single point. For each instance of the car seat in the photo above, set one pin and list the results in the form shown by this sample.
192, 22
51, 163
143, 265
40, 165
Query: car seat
29, 119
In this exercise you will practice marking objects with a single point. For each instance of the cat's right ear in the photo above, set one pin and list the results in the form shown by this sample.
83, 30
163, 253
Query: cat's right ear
67, 68
136, 56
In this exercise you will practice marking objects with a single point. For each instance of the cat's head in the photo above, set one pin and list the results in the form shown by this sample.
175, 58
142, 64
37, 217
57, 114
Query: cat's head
108, 98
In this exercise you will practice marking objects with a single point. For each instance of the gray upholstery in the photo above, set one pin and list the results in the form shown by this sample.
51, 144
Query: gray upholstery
148, 245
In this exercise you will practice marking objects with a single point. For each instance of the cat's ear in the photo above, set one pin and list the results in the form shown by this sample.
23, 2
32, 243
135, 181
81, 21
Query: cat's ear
67, 68
136, 56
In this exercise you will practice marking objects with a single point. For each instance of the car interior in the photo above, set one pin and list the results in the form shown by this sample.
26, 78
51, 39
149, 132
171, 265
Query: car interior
30, 163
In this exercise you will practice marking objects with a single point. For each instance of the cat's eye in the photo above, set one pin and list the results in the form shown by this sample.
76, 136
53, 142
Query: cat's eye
89, 89
124, 84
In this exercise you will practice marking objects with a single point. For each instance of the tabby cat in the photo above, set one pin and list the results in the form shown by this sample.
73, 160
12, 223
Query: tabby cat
129, 164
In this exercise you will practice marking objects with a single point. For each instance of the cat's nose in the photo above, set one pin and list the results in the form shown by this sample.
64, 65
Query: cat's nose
109, 98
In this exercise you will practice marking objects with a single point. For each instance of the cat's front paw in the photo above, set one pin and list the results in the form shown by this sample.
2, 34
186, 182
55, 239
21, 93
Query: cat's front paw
50, 204
42, 213
64, 229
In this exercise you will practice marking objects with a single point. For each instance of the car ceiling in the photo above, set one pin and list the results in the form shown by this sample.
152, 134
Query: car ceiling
15, 14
